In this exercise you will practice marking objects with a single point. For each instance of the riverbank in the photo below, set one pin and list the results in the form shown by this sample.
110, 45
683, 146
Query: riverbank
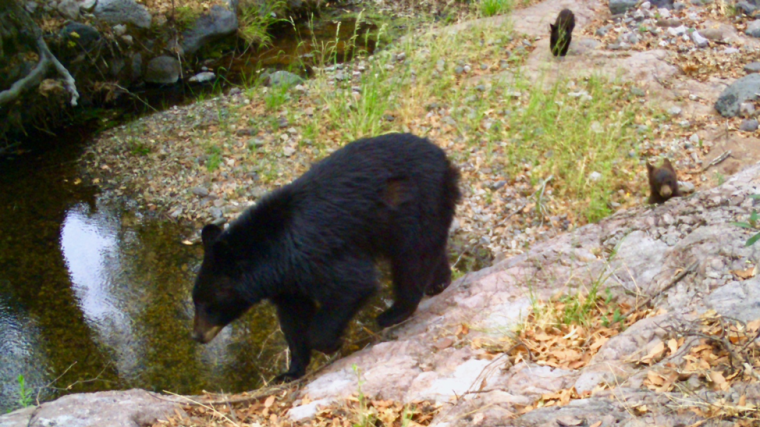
540, 153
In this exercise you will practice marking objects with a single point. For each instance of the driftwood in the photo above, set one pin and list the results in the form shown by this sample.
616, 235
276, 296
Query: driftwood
17, 26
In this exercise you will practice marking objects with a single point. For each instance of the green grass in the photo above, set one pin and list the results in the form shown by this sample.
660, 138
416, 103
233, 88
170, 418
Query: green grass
256, 19
568, 139
185, 17
275, 97
214, 159
495, 7
25, 394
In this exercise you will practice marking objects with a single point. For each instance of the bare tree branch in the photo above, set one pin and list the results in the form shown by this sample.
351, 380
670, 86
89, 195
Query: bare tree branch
17, 16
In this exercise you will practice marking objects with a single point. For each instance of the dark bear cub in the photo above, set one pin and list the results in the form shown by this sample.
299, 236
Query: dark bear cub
310, 247
663, 183
562, 33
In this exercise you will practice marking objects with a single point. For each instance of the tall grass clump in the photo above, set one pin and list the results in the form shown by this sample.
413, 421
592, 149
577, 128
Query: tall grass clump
361, 111
256, 18
495, 7
580, 135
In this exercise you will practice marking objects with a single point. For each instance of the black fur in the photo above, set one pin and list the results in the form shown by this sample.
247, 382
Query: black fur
310, 247
663, 182
562, 33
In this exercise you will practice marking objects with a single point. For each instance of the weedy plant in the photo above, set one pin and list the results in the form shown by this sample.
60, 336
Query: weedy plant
495, 7
751, 224
24, 393
365, 417
255, 19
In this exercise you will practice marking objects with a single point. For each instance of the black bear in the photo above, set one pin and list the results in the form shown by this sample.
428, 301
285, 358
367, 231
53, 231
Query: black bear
562, 33
310, 247
663, 183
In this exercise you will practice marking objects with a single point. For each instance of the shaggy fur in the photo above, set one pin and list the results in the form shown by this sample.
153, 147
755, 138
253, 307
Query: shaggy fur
310, 247
562, 33
663, 183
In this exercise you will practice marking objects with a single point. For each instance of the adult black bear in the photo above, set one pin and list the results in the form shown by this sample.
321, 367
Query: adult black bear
663, 183
310, 247
562, 33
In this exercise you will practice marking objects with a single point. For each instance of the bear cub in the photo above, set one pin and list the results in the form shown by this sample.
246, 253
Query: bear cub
663, 183
310, 247
562, 33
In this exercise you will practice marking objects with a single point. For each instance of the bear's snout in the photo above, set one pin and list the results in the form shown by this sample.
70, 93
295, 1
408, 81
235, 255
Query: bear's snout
203, 332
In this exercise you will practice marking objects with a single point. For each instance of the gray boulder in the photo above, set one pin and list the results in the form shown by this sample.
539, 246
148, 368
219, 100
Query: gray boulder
746, 7
753, 28
740, 300
122, 12
752, 67
621, 6
742, 90
218, 23
69, 9
85, 36
131, 408
284, 78
163, 70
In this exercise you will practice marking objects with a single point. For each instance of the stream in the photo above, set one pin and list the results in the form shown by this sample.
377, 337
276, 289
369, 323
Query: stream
95, 296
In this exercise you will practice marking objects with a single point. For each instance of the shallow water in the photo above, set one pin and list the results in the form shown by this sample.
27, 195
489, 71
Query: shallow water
97, 297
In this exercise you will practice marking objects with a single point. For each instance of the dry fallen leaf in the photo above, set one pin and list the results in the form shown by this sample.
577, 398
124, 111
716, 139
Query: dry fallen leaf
654, 354
719, 381
269, 402
746, 273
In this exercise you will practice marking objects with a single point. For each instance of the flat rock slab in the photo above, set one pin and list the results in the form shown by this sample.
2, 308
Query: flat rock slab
131, 408
638, 250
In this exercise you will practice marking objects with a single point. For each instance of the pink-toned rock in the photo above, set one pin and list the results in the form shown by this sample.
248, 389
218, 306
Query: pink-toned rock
131, 408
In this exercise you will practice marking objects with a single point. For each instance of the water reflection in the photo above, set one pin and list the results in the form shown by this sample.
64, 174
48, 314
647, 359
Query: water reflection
90, 248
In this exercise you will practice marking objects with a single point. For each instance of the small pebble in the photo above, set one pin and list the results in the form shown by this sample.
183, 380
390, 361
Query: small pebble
749, 125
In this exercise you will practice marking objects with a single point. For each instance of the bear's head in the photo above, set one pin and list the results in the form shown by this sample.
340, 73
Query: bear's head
663, 180
216, 292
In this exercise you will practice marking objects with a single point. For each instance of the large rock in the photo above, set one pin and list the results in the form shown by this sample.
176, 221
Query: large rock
742, 90
284, 78
163, 70
740, 300
621, 6
218, 23
122, 12
131, 408
69, 9
85, 36
753, 28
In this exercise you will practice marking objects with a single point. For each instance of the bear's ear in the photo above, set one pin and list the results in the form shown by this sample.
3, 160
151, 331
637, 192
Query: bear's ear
666, 164
552, 27
209, 234
650, 168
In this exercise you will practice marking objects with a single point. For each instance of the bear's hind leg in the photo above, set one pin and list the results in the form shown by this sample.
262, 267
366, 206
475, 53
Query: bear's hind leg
441, 275
295, 314
411, 274
335, 313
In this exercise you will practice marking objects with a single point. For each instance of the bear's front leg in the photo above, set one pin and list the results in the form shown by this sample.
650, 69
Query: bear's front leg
295, 314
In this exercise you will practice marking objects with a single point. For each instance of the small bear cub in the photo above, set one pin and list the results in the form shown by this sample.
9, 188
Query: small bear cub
562, 32
663, 183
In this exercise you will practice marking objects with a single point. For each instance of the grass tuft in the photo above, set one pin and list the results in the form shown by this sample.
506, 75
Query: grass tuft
495, 7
